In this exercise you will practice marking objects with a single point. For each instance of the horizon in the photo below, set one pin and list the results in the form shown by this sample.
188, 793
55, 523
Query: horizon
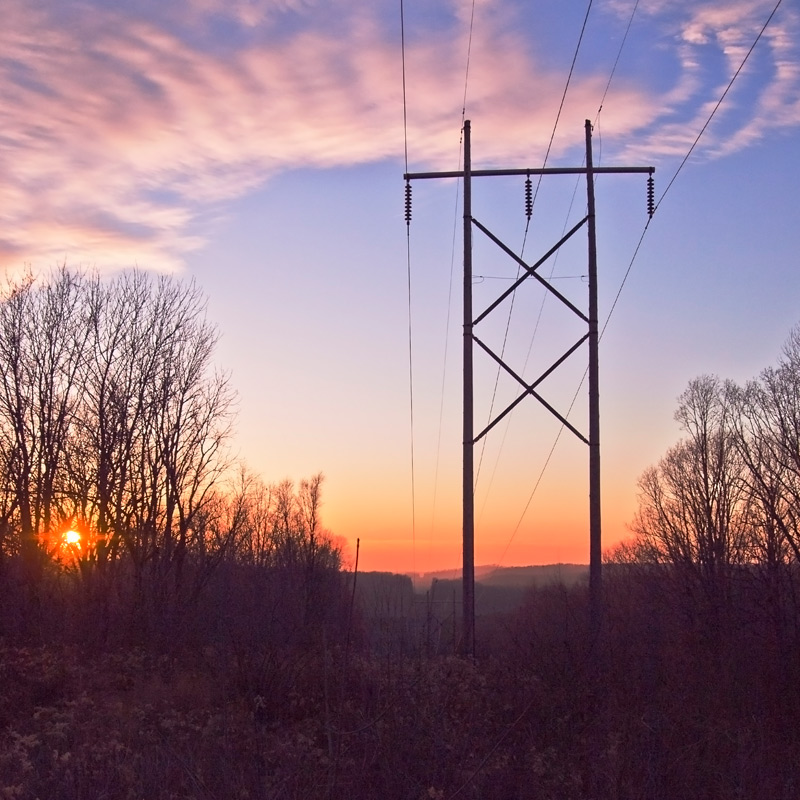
480, 569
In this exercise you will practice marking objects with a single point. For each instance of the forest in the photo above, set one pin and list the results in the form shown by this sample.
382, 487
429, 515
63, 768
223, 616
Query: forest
173, 626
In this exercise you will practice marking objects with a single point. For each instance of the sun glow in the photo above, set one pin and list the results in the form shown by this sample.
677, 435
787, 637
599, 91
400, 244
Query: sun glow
71, 537
67, 545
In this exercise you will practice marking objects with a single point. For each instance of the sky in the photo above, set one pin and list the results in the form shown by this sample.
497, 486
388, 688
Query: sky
258, 147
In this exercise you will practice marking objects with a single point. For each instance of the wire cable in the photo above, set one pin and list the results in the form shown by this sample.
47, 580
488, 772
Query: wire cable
445, 356
452, 274
569, 212
527, 224
635, 254
466, 72
525, 365
687, 156
563, 98
410, 326
616, 60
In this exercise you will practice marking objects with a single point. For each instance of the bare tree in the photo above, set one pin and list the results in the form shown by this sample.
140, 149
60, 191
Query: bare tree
694, 505
769, 440
43, 347
110, 411
283, 527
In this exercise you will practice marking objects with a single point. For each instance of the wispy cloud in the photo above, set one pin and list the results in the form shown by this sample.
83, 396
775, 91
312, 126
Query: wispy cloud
711, 41
120, 124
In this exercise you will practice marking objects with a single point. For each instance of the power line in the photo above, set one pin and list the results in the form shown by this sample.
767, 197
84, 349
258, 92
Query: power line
466, 72
674, 177
445, 355
527, 224
408, 279
527, 227
637, 249
563, 99
527, 358
616, 60
688, 154
452, 272
569, 211
403, 63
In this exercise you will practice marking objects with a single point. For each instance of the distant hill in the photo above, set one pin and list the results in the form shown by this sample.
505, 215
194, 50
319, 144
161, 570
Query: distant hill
514, 577
385, 593
391, 596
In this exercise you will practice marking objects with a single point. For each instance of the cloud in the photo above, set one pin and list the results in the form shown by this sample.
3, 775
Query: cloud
121, 125
710, 41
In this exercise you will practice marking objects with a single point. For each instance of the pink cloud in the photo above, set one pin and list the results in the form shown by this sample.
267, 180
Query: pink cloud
119, 126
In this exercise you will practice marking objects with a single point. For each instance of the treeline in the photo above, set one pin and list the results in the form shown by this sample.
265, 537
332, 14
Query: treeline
117, 485
703, 602
722, 507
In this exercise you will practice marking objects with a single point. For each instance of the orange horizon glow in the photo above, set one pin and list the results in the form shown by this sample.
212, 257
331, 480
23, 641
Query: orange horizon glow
548, 541
514, 526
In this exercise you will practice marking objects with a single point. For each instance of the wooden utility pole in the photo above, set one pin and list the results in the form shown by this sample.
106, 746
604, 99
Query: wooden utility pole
595, 536
468, 493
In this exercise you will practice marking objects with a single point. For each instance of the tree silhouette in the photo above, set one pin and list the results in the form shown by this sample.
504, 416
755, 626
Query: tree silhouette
111, 414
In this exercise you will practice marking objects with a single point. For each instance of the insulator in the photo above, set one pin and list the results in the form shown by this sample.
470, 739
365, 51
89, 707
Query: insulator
651, 203
528, 198
408, 202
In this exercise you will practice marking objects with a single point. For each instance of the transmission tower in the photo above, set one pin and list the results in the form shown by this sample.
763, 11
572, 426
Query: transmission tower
470, 340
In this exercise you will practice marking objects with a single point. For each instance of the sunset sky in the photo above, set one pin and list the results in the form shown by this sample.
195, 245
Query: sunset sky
258, 146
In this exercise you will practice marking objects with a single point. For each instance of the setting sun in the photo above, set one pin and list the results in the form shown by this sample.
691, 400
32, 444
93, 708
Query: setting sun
72, 537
